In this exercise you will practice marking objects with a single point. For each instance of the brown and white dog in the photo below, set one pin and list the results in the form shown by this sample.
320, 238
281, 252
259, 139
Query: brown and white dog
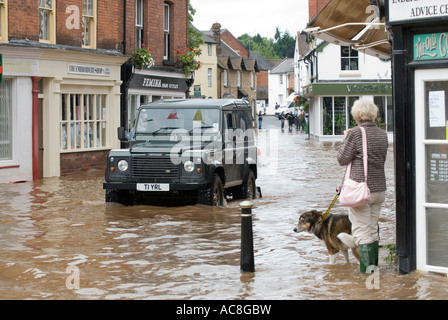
330, 231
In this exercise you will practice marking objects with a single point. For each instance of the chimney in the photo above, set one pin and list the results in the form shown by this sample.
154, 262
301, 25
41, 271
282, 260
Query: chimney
216, 28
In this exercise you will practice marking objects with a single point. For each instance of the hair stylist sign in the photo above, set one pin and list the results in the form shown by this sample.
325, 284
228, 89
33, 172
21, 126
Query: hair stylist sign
410, 10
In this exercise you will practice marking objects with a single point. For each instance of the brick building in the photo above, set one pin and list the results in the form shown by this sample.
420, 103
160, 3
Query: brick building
61, 98
236, 71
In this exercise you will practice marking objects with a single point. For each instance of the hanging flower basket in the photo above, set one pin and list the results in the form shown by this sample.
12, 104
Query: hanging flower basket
142, 58
188, 61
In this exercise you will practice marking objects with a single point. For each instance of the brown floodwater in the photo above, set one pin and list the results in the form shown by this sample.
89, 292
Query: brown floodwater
58, 229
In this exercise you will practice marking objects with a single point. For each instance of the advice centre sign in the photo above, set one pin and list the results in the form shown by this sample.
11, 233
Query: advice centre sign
410, 10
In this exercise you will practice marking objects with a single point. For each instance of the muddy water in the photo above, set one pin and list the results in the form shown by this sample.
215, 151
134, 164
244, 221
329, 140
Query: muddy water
57, 228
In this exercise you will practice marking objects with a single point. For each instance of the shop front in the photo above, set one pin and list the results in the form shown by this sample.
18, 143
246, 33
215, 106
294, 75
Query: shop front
414, 34
420, 65
331, 104
60, 111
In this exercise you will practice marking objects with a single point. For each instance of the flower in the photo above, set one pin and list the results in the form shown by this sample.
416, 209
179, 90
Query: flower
188, 62
142, 57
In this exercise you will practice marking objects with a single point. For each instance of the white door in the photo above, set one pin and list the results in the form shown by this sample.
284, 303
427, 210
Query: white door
431, 108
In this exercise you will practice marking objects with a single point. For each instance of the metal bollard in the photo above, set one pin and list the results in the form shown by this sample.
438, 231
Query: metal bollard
247, 241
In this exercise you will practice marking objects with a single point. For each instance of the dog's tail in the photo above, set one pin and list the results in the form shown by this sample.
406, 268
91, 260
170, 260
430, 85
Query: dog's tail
347, 239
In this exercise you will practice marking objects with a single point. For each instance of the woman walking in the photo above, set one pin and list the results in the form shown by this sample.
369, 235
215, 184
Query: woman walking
365, 218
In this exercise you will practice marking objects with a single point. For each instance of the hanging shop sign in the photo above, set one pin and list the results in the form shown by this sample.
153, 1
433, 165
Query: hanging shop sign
431, 46
412, 10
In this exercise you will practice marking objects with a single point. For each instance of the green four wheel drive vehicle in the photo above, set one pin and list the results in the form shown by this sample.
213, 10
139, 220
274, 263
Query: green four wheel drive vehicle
189, 149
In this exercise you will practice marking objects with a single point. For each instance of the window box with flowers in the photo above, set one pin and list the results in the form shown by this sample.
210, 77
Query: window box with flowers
142, 58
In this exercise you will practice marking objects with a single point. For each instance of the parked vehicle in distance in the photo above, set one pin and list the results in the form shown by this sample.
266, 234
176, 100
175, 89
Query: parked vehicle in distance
200, 150
286, 108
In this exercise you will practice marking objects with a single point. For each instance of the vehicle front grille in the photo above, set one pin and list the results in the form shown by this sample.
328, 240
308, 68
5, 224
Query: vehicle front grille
157, 168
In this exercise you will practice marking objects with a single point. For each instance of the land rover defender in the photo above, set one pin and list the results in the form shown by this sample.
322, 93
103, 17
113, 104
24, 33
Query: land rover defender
190, 149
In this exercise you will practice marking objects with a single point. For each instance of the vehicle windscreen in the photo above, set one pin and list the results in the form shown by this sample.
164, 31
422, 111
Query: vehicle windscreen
164, 121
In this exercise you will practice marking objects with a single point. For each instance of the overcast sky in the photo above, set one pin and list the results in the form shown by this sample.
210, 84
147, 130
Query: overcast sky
252, 16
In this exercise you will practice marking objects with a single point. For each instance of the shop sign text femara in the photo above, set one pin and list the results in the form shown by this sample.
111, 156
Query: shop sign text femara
431, 46
412, 10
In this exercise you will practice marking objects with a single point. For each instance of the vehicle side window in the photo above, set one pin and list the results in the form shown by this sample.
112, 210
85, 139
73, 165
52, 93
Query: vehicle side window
228, 126
240, 119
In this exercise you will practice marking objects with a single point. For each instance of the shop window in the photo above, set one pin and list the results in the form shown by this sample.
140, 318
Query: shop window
336, 115
139, 23
6, 120
47, 21
349, 58
327, 116
3, 20
89, 24
83, 121
340, 115
166, 30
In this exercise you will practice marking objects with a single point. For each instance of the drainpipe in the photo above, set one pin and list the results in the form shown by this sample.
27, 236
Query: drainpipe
124, 26
35, 126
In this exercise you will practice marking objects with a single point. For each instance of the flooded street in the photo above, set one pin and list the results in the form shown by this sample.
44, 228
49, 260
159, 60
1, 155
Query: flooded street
53, 228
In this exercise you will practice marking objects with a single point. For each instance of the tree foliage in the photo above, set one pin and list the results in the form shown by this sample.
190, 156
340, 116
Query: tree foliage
194, 35
280, 47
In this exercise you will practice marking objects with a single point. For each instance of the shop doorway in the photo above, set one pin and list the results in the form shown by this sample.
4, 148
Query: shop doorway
431, 105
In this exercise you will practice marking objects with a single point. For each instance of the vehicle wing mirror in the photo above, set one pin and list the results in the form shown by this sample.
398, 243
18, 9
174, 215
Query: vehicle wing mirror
121, 133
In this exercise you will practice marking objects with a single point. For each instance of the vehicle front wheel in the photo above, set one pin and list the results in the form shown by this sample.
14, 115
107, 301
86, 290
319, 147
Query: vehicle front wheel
119, 196
213, 195
248, 190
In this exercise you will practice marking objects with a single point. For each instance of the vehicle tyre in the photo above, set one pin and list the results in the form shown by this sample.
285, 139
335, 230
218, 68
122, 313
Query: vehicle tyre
213, 195
247, 190
119, 196
249, 186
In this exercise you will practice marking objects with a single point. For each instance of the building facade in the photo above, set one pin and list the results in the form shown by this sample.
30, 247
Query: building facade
62, 89
281, 84
206, 78
236, 71
333, 77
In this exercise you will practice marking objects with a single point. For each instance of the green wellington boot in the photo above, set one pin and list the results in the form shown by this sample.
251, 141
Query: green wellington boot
368, 255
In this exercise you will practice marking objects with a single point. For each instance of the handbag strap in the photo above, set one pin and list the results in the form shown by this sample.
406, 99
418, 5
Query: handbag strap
364, 156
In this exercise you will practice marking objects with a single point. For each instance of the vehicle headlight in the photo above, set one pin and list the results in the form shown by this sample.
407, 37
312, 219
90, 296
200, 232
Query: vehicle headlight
123, 165
189, 166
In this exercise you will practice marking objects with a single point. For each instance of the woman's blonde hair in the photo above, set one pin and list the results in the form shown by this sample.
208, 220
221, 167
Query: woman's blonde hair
364, 110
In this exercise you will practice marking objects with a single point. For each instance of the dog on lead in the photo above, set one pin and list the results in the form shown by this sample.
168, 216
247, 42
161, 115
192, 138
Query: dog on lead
335, 232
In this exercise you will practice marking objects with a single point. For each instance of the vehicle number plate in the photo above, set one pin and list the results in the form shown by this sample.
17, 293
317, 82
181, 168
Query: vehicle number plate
153, 187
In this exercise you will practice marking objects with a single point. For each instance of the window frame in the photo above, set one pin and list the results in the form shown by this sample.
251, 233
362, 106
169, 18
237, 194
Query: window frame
93, 26
50, 37
350, 57
209, 77
10, 123
81, 132
139, 26
166, 31
3, 20
225, 78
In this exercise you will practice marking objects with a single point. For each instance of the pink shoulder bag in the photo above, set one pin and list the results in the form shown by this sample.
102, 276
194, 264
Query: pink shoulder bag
355, 194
